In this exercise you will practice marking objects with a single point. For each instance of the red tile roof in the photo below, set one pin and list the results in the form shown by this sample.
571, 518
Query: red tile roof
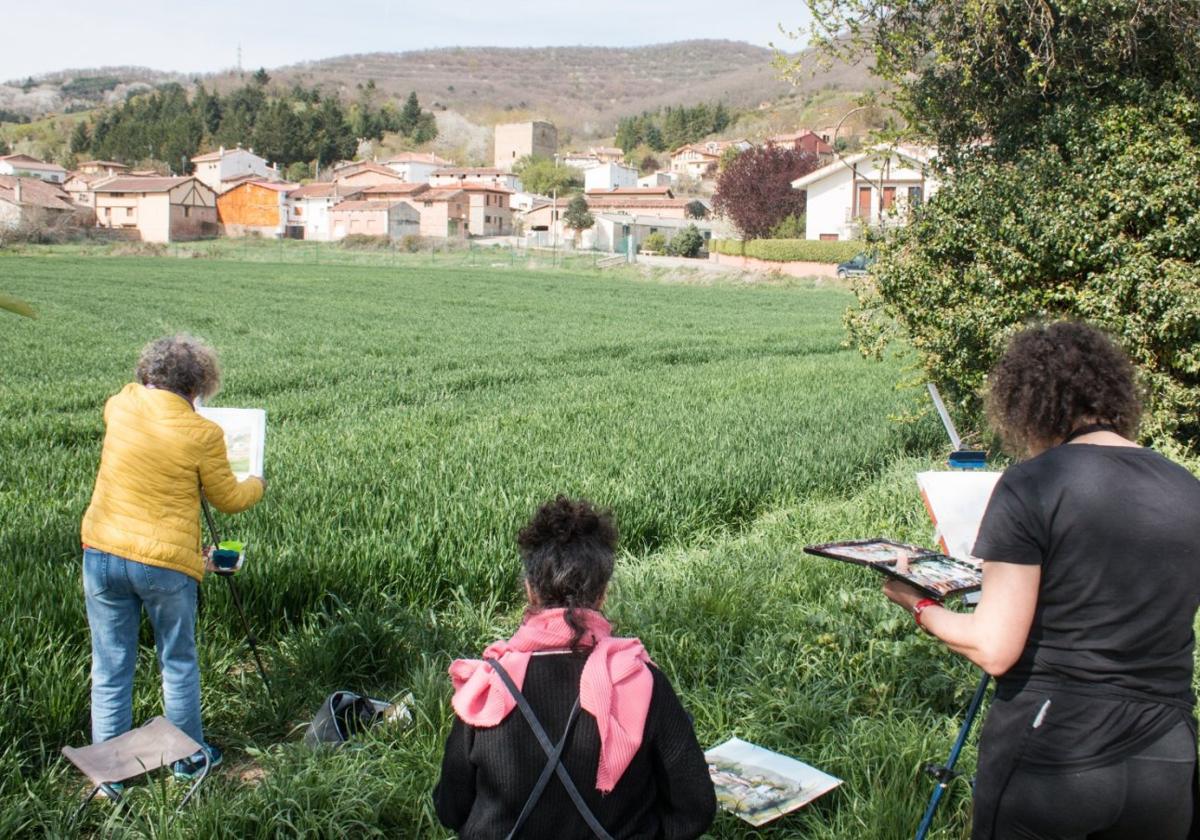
351, 169
31, 163
34, 193
399, 188
443, 194
470, 186
277, 186
139, 184
461, 171
631, 192
635, 203
362, 205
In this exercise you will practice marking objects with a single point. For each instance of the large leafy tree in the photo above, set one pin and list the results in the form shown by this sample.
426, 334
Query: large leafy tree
540, 175
989, 69
755, 189
1066, 132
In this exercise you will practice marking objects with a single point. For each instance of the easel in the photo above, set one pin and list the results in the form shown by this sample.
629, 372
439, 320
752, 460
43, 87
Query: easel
945, 773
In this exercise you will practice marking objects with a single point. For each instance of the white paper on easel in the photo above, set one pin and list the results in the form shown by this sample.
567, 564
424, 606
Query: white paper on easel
956, 502
245, 437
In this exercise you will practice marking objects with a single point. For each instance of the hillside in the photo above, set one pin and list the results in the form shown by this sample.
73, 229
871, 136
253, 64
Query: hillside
582, 89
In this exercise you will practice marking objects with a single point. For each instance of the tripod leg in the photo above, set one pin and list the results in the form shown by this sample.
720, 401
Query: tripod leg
947, 771
253, 642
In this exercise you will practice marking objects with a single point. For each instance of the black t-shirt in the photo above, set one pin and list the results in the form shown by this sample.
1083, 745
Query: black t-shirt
1116, 531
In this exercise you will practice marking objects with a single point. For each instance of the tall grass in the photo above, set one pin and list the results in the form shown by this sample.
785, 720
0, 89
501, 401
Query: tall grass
417, 415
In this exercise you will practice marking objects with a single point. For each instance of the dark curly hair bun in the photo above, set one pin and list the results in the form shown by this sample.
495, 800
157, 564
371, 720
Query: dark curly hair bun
1056, 377
568, 549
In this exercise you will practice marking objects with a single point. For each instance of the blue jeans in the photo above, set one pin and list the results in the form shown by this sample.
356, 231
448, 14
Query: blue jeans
116, 590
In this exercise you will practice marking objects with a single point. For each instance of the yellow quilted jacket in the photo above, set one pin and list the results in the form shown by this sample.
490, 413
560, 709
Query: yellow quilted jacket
158, 453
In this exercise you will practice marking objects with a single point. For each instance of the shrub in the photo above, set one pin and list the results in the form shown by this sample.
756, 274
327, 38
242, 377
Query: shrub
1098, 222
793, 227
411, 243
687, 243
365, 242
655, 242
789, 250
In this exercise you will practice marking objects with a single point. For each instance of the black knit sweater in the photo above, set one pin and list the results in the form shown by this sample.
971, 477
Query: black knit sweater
487, 773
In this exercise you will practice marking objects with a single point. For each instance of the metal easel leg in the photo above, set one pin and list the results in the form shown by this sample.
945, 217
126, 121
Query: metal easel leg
945, 773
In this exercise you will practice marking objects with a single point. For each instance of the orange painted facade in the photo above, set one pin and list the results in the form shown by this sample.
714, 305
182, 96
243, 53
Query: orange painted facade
253, 207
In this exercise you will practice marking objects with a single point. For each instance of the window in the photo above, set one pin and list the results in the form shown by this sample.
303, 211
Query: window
914, 196
187, 212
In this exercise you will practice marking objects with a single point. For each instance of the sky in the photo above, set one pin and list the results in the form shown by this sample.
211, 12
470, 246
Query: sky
201, 37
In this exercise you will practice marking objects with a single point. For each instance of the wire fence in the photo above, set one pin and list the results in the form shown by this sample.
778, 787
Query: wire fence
386, 254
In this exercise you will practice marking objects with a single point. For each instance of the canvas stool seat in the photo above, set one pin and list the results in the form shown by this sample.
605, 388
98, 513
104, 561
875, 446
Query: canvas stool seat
156, 743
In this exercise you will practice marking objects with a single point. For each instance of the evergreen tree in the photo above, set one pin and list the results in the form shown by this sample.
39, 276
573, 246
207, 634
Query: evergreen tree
261, 77
410, 115
81, 139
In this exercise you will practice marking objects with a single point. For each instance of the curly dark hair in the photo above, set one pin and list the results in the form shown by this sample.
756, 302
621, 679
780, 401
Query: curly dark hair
568, 549
1055, 377
181, 363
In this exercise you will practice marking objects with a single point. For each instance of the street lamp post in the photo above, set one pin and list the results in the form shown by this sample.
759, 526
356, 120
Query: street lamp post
850, 166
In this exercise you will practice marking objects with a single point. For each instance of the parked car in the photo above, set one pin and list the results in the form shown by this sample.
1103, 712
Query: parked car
859, 265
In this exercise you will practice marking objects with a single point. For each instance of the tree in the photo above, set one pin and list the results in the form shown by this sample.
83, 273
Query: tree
687, 243
5, 149
540, 175
755, 190
276, 132
728, 155
261, 77
578, 218
696, 209
648, 164
410, 115
1091, 114
81, 138
961, 72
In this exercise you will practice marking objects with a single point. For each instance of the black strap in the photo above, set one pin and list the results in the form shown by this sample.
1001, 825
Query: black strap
553, 755
547, 771
1089, 429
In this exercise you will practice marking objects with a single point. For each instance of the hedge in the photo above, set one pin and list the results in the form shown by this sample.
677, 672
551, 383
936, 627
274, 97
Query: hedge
789, 250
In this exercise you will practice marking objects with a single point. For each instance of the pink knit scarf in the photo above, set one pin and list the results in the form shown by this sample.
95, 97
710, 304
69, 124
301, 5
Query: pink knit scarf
615, 686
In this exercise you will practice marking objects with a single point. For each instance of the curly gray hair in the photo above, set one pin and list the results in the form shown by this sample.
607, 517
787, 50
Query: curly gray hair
181, 363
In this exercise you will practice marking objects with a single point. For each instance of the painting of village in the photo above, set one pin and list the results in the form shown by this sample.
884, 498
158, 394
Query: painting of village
759, 785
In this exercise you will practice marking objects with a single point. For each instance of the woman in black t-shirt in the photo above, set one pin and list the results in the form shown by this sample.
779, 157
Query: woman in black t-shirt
1091, 582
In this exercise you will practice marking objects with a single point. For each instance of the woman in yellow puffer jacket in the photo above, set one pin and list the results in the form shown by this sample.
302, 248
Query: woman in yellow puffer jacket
141, 534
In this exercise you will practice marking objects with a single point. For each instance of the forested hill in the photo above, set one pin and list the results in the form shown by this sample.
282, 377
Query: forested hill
583, 89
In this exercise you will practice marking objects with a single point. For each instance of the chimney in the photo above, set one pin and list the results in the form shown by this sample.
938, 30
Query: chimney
221, 151
17, 191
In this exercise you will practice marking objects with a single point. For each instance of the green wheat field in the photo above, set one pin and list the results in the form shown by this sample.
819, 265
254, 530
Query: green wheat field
417, 414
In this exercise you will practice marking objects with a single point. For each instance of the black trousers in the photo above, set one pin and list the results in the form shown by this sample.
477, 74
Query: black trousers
1148, 796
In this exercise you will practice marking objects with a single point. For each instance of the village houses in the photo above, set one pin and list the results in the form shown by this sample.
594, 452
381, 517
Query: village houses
699, 160
457, 176
30, 167
359, 217
225, 168
875, 187
415, 167
157, 209
255, 208
31, 201
607, 176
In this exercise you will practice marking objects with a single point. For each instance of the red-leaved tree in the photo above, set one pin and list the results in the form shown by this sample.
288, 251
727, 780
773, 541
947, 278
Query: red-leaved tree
755, 189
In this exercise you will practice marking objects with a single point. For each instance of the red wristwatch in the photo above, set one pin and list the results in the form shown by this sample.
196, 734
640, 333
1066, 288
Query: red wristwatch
920, 607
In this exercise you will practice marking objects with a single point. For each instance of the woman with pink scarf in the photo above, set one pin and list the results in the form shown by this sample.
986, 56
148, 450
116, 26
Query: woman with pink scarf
565, 730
